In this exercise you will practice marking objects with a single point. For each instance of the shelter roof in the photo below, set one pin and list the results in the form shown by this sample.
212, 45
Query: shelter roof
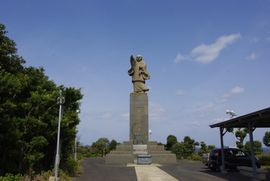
259, 119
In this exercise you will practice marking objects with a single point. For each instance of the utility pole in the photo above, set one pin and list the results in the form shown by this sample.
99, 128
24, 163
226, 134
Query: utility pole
60, 101
75, 149
75, 144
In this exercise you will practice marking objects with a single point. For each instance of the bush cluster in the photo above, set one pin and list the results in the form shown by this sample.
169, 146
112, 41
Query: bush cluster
11, 177
264, 159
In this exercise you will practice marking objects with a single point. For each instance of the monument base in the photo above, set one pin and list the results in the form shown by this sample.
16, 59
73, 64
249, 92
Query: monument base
128, 153
121, 155
159, 154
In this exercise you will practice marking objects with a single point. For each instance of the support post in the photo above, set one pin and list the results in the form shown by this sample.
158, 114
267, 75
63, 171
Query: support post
75, 148
61, 101
222, 150
251, 149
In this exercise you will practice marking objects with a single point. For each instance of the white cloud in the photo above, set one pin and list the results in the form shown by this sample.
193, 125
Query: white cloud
235, 90
156, 111
179, 58
208, 53
212, 106
252, 56
180, 93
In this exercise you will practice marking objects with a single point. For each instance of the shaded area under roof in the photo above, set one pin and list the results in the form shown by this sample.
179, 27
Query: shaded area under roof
258, 119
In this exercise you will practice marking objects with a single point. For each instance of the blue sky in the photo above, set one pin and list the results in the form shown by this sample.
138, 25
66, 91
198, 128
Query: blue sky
204, 57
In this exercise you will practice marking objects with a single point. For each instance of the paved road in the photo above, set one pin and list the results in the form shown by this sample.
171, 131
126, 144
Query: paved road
95, 169
186, 170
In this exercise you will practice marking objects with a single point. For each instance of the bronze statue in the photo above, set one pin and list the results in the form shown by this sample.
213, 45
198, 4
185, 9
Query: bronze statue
139, 74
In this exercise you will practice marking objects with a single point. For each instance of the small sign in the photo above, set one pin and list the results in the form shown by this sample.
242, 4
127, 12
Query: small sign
144, 159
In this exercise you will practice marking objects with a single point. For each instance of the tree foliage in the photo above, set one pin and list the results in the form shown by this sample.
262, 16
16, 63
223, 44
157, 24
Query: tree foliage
29, 114
240, 135
178, 149
101, 146
185, 148
112, 145
266, 139
171, 140
189, 145
205, 148
257, 147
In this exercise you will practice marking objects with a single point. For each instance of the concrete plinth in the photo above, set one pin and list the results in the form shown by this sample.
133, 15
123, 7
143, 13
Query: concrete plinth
138, 143
138, 118
127, 153
122, 155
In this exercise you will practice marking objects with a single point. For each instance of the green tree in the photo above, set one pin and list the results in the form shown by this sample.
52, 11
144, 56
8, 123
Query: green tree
29, 114
112, 145
240, 135
189, 146
203, 149
184, 149
83, 151
171, 140
257, 147
178, 150
211, 147
101, 146
266, 139
11, 67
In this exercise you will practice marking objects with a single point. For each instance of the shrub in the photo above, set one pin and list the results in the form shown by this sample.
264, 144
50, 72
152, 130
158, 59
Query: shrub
264, 159
194, 156
11, 177
178, 149
71, 166
64, 176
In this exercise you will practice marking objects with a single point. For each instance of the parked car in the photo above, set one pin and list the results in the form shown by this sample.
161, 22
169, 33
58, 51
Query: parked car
233, 157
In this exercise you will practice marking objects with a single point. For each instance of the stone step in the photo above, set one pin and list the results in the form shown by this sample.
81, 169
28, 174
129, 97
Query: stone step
163, 158
140, 149
156, 147
140, 152
119, 158
120, 152
152, 143
127, 153
127, 143
124, 147
160, 152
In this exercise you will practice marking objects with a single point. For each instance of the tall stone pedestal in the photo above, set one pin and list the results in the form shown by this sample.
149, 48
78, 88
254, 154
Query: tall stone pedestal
138, 143
138, 126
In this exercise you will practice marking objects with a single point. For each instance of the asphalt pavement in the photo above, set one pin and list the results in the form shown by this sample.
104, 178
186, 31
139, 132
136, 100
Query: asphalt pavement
95, 169
187, 170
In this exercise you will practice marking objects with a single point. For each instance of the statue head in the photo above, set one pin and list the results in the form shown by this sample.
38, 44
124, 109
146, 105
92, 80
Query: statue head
139, 58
